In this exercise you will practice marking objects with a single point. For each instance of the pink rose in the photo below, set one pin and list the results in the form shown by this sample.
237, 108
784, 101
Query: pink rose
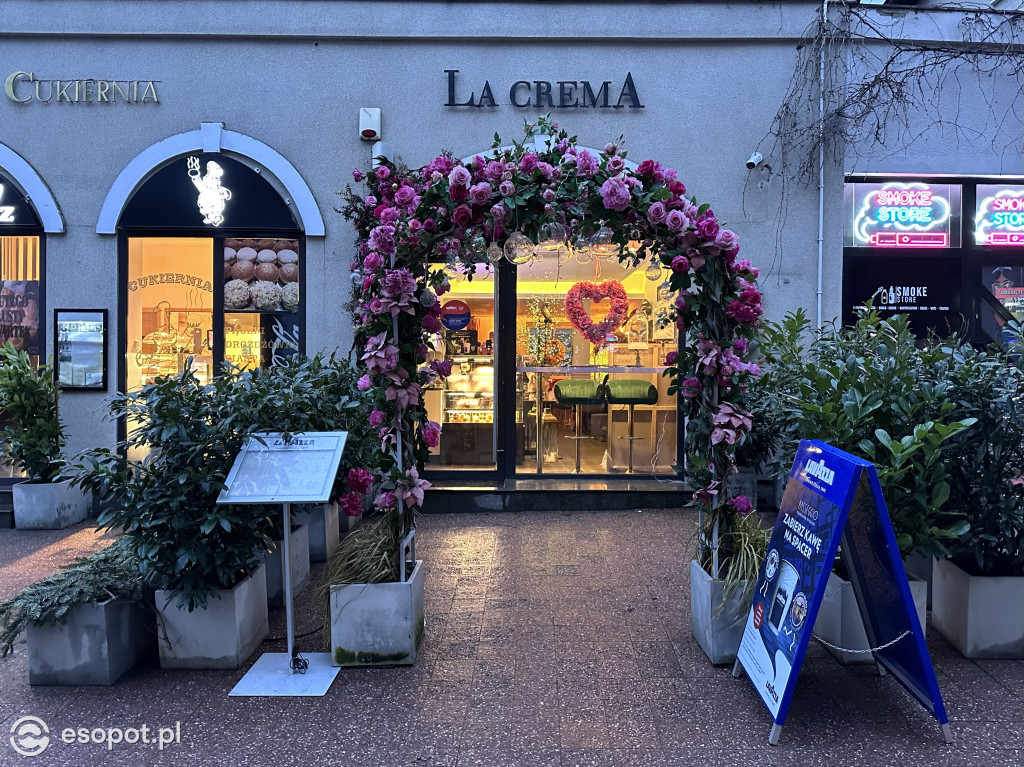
742, 504
586, 164
480, 193
431, 324
647, 168
671, 357
615, 165
494, 170
376, 417
615, 194
461, 216
656, 213
385, 501
431, 434
383, 172
457, 192
459, 176
405, 196
676, 220
373, 261
507, 188
363, 383
680, 264
726, 239
707, 227
676, 187
528, 163
357, 175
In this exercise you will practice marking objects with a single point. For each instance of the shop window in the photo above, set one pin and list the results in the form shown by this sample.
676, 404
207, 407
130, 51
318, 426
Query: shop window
584, 320
21, 294
262, 323
465, 404
170, 308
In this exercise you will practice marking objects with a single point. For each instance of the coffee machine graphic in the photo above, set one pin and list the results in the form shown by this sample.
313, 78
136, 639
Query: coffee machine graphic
785, 589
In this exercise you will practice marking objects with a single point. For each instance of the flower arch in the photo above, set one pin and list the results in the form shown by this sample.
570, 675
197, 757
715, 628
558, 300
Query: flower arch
544, 186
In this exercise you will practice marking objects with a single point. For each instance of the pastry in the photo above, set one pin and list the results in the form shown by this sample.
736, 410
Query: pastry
288, 257
280, 245
290, 297
267, 256
289, 272
229, 255
264, 244
236, 294
265, 295
246, 254
267, 272
243, 270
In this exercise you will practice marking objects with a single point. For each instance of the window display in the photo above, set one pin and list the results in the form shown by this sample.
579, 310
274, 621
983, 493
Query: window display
20, 294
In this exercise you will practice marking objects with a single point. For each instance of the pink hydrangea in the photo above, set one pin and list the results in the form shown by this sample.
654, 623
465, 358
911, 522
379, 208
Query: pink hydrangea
431, 433
382, 239
615, 194
351, 504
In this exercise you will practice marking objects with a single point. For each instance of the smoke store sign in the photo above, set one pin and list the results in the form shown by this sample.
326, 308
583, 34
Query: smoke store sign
547, 94
25, 87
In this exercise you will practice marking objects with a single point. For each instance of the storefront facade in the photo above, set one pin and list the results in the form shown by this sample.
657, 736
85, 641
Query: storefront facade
170, 149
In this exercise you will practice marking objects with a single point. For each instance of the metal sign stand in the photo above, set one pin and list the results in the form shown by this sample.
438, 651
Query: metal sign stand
289, 673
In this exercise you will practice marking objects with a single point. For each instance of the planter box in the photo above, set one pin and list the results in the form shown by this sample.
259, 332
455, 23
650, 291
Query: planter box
377, 624
981, 616
839, 620
323, 530
718, 632
49, 505
298, 550
920, 566
96, 643
348, 524
223, 635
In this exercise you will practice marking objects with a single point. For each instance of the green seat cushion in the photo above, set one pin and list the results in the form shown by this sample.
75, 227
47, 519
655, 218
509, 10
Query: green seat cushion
579, 391
632, 391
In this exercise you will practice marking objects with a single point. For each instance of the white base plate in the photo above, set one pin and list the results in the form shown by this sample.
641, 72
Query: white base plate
271, 676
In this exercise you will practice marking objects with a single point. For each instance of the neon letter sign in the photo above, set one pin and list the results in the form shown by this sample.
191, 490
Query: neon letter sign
1000, 218
898, 215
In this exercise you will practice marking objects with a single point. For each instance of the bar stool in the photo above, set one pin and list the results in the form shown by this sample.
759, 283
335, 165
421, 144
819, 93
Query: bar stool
631, 392
579, 392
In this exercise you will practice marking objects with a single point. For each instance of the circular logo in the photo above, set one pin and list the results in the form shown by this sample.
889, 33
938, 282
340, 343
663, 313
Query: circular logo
798, 611
455, 315
772, 565
30, 736
759, 615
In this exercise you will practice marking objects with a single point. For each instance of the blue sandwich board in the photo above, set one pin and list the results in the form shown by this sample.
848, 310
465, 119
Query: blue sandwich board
832, 496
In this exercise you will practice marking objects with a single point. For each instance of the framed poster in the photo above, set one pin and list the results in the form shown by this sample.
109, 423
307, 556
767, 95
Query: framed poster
80, 341
272, 469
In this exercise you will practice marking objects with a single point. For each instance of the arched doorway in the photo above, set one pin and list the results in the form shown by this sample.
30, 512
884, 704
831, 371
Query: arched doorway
211, 230
28, 213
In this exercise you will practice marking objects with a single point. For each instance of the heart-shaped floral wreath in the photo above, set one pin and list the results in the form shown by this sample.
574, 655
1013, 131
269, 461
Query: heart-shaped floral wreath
596, 332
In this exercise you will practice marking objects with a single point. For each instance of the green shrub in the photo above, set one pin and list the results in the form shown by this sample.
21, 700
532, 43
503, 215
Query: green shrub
32, 436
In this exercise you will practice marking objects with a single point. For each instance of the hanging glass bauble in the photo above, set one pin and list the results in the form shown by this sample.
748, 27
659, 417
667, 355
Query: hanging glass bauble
494, 253
552, 237
653, 271
476, 246
518, 248
603, 244
581, 248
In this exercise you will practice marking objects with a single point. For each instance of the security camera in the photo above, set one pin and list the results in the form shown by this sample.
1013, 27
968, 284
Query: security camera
754, 161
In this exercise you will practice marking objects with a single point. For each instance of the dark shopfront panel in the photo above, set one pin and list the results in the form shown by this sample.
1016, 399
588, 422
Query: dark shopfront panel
948, 252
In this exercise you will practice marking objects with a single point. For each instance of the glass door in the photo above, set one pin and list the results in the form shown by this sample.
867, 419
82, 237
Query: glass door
466, 403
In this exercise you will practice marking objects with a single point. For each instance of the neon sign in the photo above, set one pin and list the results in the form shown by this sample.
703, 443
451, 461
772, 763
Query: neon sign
899, 214
1000, 216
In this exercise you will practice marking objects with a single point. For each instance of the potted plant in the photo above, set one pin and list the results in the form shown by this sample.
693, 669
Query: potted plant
978, 589
31, 440
860, 388
200, 557
86, 625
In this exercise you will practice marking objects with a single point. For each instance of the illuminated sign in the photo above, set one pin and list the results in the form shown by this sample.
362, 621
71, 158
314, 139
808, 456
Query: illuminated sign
898, 214
6, 211
1000, 216
212, 196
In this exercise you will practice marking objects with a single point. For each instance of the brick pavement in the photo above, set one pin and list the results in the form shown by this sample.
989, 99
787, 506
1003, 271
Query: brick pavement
553, 640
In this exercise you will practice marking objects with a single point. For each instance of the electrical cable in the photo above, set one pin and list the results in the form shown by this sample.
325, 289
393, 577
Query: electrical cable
297, 636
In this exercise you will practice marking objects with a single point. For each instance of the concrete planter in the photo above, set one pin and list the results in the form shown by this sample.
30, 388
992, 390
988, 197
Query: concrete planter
348, 524
322, 523
839, 620
981, 616
96, 643
223, 635
718, 632
377, 624
298, 550
49, 505
920, 566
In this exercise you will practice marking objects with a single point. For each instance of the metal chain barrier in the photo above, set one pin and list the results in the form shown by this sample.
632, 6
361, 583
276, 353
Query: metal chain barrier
870, 649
